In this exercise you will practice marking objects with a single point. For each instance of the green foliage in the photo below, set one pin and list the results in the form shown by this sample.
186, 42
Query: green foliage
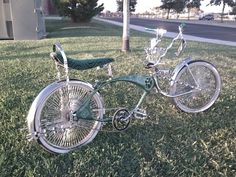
179, 5
79, 10
230, 3
168, 143
192, 4
168, 5
132, 4
233, 11
176, 5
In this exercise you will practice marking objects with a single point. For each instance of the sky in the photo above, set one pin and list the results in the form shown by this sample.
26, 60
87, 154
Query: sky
144, 5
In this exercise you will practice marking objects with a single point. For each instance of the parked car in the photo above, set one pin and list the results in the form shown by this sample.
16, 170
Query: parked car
207, 17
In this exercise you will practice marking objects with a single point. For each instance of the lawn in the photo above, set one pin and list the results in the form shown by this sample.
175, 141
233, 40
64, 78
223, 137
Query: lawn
168, 143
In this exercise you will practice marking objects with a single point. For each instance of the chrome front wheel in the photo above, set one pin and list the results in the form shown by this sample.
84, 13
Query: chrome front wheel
197, 86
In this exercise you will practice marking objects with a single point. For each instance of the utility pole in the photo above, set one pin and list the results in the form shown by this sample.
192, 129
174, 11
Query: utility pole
126, 21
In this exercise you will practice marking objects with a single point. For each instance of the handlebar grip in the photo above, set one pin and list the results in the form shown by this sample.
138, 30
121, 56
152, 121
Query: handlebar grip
182, 25
181, 47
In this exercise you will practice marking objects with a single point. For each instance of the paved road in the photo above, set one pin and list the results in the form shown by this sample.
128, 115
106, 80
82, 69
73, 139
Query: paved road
198, 30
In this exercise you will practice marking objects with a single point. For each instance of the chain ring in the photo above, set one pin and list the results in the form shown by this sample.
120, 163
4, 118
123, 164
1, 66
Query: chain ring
118, 120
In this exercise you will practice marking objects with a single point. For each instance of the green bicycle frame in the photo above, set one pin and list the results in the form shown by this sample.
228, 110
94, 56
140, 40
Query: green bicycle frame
146, 83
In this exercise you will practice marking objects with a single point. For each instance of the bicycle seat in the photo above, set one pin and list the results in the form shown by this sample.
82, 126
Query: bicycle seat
81, 64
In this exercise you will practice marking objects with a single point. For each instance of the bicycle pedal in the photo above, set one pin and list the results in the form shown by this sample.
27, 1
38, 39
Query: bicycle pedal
140, 114
31, 136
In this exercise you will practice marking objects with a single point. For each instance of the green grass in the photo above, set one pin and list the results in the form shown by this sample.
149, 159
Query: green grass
180, 144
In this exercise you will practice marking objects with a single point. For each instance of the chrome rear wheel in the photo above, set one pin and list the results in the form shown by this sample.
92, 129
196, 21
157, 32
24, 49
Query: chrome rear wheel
57, 130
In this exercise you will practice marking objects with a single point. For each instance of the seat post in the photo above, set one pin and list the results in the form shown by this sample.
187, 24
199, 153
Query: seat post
57, 46
110, 74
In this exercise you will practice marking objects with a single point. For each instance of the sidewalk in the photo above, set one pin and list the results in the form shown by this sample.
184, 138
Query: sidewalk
187, 37
53, 18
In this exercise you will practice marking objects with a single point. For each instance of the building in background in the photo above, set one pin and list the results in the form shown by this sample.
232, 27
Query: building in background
21, 19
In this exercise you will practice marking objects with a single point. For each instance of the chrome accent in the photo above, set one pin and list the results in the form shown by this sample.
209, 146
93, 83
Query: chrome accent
37, 101
57, 47
183, 63
140, 114
110, 74
154, 50
174, 73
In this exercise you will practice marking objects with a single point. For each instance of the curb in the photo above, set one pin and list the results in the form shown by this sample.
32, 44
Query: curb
53, 18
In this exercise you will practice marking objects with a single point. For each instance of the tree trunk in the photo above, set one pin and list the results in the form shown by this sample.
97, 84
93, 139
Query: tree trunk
188, 13
73, 18
168, 13
126, 21
222, 13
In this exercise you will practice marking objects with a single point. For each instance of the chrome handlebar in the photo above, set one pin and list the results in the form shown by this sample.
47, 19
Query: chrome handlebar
159, 34
159, 31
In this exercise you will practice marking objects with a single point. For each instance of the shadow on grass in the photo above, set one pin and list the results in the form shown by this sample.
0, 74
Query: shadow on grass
173, 147
26, 56
46, 56
181, 144
64, 29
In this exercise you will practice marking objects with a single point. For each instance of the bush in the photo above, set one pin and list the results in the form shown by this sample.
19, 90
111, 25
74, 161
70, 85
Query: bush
78, 10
